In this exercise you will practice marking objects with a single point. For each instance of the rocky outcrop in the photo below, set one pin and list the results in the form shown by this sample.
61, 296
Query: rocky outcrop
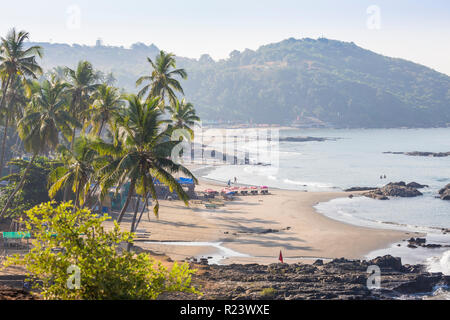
356, 189
340, 279
9, 293
305, 139
416, 185
397, 189
444, 193
422, 154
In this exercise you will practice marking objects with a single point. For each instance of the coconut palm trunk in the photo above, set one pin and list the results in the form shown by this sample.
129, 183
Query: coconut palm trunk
5, 90
18, 187
101, 129
142, 212
127, 202
77, 197
136, 209
5, 135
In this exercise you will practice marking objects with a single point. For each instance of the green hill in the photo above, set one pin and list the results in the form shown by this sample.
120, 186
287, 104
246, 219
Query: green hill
304, 81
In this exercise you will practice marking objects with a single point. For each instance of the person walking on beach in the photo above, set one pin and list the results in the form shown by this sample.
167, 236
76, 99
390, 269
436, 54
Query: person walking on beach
229, 183
235, 180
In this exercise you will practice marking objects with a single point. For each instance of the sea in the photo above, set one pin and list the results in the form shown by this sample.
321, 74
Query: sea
353, 158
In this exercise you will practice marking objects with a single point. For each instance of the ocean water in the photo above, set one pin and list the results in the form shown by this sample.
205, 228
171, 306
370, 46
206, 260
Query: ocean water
355, 157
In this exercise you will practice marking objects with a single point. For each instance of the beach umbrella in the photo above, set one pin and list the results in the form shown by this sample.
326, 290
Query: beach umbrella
281, 257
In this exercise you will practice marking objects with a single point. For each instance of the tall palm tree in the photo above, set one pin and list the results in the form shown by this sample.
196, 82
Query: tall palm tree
78, 171
183, 116
45, 118
15, 60
15, 99
141, 154
106, 106
162, 80
82, 82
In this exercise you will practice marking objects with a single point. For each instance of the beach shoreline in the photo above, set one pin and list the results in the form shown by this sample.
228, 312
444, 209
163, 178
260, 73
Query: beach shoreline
254, 229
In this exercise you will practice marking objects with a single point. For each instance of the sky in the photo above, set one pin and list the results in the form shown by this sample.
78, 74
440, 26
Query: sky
411, 29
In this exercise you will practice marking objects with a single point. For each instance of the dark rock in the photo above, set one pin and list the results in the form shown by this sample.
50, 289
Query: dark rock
339, 279
423, 284
417, 241
356, 189
416, 185
446, 195
388, 262
422, 154
397, 189
304, 139
318, 262
444, 189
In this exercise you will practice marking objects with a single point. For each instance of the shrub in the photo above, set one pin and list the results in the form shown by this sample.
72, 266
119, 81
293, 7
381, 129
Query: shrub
64, 238
268, 292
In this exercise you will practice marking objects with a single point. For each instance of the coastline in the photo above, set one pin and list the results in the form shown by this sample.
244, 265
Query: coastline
257, 228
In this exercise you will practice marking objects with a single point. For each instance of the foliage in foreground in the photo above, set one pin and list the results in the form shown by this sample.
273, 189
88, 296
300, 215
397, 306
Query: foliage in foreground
63, 238
34, 190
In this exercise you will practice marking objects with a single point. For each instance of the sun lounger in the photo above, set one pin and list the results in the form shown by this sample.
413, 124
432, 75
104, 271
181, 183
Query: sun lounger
10, 238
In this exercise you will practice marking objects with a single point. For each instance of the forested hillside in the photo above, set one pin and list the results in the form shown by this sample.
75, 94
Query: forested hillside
305, 81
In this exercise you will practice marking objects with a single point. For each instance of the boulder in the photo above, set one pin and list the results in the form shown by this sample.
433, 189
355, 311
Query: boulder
416, 185
447, 187
355, 189
388, 262
445, 192
394, 189
446, 195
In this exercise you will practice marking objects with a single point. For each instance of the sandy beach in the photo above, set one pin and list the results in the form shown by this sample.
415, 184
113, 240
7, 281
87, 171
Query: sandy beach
253, 229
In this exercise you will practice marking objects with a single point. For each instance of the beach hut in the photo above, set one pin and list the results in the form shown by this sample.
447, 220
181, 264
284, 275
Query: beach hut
254, 190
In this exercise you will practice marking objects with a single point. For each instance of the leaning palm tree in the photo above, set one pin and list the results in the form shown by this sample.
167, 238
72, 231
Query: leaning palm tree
183, 116
45, 118
78, 171
106, 107
15, 60
162, 82
82, 82
141, 155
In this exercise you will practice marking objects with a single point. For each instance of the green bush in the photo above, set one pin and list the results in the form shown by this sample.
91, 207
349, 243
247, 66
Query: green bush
64, 237
268, 292
35, 187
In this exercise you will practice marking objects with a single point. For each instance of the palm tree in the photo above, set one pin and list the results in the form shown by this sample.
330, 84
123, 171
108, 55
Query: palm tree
141, 154
105, 107
17, 61
183, 116
78, 171
45, 117
161, 81
82, 82
15, 100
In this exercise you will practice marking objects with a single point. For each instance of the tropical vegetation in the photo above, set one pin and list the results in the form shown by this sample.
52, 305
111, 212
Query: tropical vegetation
70, 136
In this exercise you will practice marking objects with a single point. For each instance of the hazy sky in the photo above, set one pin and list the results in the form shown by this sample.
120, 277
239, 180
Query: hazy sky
412, 29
